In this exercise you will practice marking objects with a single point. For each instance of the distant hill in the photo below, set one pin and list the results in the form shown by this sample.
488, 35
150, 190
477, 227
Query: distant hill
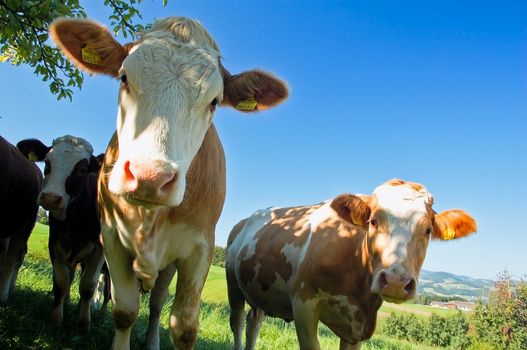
449, 284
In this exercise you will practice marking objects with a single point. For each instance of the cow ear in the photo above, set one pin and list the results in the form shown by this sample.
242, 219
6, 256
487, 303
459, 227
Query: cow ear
33, 149
453, 224
96, 163
253, 91
352, 209
89, 45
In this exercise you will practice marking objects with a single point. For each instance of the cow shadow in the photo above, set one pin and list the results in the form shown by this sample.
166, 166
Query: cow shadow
25, 321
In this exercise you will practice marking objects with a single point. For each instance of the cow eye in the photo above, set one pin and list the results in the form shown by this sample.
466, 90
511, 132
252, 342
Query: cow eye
47, 167
429, 230
214, 102
124, 80
373, 222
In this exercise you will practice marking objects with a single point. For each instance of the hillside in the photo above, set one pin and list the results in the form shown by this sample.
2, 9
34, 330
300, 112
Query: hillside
449, 284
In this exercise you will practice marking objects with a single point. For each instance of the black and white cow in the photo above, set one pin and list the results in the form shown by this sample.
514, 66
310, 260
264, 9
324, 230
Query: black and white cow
20, 183
69, 193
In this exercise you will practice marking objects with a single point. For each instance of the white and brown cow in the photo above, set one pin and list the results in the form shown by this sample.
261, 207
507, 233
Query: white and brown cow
69, 193
20, 183
163, 183
334, 262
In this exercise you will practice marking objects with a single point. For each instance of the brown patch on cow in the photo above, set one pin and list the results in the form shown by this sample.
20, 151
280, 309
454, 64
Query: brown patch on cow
398, 182
123, 319
268, 252
72, 35
264, 88
352, 209
453, 224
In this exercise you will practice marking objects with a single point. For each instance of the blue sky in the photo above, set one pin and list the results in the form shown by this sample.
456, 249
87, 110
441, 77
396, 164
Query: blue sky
429, 92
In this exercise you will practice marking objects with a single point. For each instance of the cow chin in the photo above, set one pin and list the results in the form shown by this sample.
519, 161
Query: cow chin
59, 214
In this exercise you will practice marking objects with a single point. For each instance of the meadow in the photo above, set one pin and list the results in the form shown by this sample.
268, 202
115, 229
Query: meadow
25, 321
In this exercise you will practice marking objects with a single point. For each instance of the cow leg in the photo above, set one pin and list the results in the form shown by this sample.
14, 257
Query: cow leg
15, 249
237, 305
184, 315
7, 268
102, 289
92, 268
344, 345
157, 300
306, 324
61, 286
255, 318
124, 290
347, 346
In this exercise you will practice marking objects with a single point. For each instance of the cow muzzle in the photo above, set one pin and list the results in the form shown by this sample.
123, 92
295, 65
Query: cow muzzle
394, 287
54, 203
51, 201
149, 182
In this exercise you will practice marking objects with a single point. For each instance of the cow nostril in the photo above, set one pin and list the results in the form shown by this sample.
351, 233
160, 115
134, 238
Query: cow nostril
58, 201
410, 286
383, 282
168, 185
127, 171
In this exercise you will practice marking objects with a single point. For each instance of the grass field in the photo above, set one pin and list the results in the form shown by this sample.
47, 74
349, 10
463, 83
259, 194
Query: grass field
25, 321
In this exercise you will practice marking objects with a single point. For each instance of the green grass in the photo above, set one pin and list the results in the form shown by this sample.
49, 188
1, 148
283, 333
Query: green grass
38, 242
25, 321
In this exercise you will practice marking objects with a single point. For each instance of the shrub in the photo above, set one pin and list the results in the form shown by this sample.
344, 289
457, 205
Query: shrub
502, 322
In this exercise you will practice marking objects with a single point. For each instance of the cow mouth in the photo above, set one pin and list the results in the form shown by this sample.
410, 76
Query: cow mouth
134, 200
394, 300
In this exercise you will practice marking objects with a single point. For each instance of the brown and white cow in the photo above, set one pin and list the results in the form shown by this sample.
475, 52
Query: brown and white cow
20, 183
69, 193
163, 183
334, 262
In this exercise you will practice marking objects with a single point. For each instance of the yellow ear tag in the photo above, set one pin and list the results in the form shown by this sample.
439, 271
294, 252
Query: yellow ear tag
449, 234
247, 105
32, 156
90, 55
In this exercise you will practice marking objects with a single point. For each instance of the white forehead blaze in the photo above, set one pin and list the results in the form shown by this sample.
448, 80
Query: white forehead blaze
404, 208
166, 109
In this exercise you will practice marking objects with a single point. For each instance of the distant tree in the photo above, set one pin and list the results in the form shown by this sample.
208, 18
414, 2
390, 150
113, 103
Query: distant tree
24, 36
42, 216
426, 299
502, 322
220, 254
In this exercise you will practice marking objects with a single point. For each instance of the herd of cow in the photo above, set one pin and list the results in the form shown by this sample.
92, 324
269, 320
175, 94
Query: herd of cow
148, 207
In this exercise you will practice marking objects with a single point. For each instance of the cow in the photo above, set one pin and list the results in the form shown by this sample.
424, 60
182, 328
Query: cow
162, 187
334, 262
69, 192
20, 183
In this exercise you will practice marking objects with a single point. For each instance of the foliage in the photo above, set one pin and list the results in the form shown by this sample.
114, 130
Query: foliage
425, 299
24, 36
450, 331
502, 322
220, 254
42, 216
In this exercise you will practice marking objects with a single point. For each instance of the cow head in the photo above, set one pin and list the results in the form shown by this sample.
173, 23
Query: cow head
172, 81
400, 221
68, 162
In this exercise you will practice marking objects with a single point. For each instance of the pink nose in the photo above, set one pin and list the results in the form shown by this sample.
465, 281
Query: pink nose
149, 180
50, 200
393, 285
